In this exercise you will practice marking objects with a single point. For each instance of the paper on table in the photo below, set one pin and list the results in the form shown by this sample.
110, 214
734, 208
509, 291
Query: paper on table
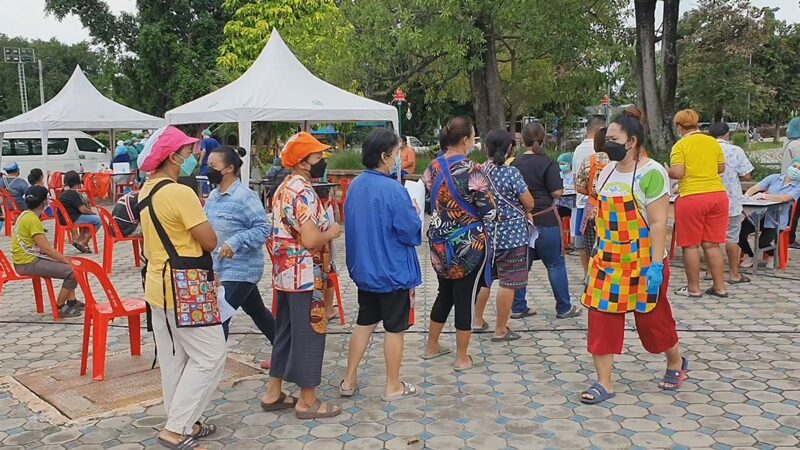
416, 190
226, 311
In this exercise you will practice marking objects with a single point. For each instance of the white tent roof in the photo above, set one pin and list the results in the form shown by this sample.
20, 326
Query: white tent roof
79, 106
278, 88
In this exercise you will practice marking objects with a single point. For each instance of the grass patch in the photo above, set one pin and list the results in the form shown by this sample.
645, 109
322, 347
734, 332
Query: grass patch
759, 146
345, 160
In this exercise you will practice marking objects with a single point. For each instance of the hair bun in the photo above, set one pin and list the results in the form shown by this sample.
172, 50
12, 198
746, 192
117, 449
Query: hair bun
635, 113
241, 151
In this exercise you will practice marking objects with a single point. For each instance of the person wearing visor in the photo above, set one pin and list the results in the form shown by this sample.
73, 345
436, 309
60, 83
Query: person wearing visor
301, 230
15, 185
191, 358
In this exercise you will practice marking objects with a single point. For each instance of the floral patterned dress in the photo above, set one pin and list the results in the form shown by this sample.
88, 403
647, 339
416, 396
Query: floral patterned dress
457, 237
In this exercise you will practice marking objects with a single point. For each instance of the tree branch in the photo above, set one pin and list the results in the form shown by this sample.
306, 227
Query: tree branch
405, 76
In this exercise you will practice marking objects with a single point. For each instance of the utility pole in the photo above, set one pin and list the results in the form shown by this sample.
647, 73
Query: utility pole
41, 83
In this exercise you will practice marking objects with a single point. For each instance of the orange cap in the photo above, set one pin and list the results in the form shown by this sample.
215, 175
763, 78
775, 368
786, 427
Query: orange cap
298, 147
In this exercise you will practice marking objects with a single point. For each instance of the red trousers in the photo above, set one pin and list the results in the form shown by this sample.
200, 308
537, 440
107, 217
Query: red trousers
656, 328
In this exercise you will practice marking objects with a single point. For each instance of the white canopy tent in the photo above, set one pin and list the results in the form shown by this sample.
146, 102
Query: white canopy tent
278, 88
79, 106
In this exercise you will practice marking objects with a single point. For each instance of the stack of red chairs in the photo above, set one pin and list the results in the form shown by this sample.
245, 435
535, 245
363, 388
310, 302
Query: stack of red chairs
130, 183
55, 182
98, 316
344, 184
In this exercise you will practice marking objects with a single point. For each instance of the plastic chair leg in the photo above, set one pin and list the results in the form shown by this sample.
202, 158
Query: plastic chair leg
672, 244
94, 241
137, 257
274, 303
334, 280
135, 334
37, 294
100, 327
51, 293
87, 328
108, 255
783, 251
7, 223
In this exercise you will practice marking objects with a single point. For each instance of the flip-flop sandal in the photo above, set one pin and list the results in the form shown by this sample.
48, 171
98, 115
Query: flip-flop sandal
674, 377
509, 336
442, 351
409, 390
481, 329
187, 443
575, 311
684, 292
204, 430
598, 393
347, 392
313, 411
711, 291
279, 404
528, 313
475, 363
707, 277
744, 279
81, 248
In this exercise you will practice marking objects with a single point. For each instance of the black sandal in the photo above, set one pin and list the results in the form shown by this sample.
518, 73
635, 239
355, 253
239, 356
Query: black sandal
204, 430
186, 443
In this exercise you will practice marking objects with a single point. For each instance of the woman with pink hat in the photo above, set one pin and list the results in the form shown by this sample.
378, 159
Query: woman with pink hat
179, 288
300, 230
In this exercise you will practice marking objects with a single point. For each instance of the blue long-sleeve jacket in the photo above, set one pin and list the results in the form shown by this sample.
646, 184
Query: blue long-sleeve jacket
382, 231
239, 220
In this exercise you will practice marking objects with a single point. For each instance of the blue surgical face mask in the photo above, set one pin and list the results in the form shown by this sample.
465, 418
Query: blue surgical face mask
188, 166
794, 173
564, 167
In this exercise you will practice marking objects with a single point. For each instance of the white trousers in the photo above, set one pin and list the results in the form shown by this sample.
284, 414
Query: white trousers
190, 376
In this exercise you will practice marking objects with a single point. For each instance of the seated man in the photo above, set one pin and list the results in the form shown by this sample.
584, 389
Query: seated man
79, 212
36, 178
775, 188
15, 185
126, 215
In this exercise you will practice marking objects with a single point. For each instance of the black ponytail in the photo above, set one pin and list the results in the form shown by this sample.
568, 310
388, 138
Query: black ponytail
497, 144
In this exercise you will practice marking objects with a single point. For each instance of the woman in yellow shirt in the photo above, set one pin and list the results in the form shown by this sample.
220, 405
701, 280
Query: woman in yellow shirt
701, 210
33, 255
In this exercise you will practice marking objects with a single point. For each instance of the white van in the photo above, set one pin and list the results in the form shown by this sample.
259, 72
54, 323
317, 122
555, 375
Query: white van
66, 150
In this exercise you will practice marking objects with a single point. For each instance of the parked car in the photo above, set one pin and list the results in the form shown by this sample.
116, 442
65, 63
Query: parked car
417, 145
66, 150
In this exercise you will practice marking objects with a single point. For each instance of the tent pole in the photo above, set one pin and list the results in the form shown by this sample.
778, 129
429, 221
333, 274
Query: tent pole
245, 141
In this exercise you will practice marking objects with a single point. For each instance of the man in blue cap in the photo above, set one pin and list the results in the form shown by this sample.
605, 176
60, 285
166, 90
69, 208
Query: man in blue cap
15, 185
206, 146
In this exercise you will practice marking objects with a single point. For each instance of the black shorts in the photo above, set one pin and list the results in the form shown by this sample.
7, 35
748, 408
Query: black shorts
393, 308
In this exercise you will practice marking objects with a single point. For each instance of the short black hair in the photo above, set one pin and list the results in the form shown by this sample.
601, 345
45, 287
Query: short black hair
35, 196
72, 178
35, 175
595, 122
379, 142
718, 129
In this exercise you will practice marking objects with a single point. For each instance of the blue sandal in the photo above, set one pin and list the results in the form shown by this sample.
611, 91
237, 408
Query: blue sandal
674, 377
598, 393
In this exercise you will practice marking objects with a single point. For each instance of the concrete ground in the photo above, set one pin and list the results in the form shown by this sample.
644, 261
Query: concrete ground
743, 390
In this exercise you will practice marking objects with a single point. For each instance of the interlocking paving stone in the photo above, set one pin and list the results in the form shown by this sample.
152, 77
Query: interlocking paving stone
742, 392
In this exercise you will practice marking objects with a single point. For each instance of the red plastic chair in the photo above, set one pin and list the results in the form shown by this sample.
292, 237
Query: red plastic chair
89, 188
333, 279
55, 182
119, 188
98, 315
10, 209
64, 231
673, 242
565, 231
344, 185
7, 273
113, 235
783, 242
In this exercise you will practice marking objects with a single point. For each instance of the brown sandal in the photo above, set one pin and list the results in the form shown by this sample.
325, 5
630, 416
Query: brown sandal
314, 412
279, 404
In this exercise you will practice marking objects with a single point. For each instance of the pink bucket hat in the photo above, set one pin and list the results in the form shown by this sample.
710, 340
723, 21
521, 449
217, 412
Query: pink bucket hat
169, 141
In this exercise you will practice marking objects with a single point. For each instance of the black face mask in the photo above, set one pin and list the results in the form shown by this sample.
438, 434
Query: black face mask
214, 176
318, 170
615, 151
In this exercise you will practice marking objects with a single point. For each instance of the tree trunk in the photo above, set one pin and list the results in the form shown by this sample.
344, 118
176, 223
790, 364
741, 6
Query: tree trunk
669, 55
637, 73
645, 35
487, 89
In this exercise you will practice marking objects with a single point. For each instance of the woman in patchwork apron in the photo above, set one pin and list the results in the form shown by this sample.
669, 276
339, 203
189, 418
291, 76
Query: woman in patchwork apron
633, 202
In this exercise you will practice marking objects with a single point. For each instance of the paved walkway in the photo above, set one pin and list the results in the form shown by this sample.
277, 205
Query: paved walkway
744, 389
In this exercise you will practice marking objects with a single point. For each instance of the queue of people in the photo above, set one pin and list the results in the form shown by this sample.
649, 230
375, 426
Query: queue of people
488, 222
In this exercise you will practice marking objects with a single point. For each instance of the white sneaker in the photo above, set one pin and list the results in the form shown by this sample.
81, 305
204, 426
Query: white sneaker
747, 262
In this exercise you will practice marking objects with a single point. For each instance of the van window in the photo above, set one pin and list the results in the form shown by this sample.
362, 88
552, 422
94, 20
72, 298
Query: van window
22, 147
89, 145
57, 146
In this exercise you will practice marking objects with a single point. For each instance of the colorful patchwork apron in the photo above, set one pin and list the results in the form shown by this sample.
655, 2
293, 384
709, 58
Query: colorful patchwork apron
617, 282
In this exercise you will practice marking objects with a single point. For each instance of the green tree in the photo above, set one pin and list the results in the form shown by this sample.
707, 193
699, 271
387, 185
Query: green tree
166, 50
